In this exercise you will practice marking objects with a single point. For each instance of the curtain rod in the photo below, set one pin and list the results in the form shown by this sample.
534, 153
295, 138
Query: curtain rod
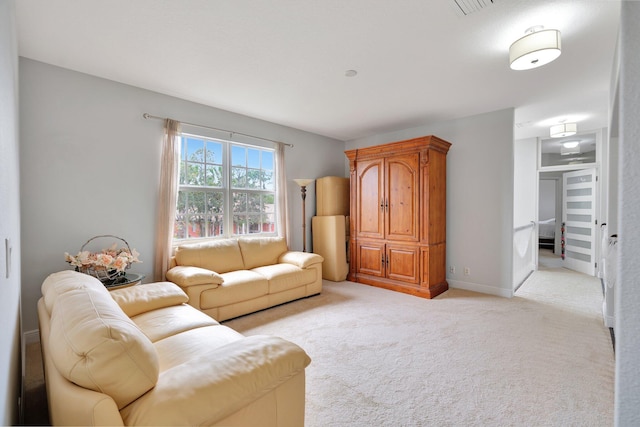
149, 116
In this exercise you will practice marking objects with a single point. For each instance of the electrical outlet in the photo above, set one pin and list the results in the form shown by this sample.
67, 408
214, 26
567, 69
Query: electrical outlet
467, 271
452, 269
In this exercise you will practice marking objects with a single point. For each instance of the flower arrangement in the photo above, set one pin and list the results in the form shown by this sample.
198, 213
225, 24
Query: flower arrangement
107, 264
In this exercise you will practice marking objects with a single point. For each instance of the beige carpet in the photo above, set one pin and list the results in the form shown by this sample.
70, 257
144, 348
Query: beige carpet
380, 358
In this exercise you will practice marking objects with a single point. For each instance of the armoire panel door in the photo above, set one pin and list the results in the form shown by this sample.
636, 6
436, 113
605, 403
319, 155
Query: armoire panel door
370, 202
370, 258
403, 263
402, 180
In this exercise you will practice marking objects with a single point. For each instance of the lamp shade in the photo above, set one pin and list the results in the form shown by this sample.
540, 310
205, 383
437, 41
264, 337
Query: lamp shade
535, 49
303, 182
562, 130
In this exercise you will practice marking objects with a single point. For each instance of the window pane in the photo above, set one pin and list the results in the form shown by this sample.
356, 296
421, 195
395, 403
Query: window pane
214, 176
196, 223
194, 174
254, 203
215, 202
214, 152
238, 177
255, 225
253, 158
268, 223
254, 178
268, 203
183, 172
238, 156
180, 224
267, 160
194, 150
268, 182
239, 224
239, 202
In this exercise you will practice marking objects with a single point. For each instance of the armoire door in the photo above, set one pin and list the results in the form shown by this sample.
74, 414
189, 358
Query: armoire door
371, 258
370, 199
403, 263
402, 183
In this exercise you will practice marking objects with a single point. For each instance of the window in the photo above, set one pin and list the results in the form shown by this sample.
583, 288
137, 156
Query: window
225, 189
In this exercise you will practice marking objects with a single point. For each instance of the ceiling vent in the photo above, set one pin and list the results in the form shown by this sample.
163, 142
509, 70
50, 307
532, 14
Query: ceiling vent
467, 7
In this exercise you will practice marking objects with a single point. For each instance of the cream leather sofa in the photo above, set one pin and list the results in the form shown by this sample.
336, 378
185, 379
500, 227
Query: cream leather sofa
142, 356
227, 278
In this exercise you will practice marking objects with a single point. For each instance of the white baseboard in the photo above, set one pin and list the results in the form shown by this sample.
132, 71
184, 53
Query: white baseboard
483, 289
609, 321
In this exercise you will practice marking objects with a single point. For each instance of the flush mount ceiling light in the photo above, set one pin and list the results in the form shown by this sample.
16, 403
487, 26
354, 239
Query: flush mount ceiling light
571, 144
570, 147
563, 129
538, 47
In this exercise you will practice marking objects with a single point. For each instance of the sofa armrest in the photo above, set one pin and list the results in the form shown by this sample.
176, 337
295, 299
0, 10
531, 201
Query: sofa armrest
135, 300
219, 383
300, 259
185, 276
68, 403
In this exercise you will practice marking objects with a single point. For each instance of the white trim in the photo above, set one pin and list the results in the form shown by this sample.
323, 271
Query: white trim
483, 289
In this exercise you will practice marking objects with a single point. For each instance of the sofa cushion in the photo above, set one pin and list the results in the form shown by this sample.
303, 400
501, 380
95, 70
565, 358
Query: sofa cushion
142, 298
187, 275
220, 256
95, 345
238, 286
301, 259
257, 252
175, 349
283, 277
217, 381
58, 283
165, 322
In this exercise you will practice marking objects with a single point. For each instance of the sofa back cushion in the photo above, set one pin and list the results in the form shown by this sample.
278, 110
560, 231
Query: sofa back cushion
261, 251
220, 256
63, 281
96, 346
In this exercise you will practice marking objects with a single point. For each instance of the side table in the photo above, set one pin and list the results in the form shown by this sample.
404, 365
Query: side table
129, 279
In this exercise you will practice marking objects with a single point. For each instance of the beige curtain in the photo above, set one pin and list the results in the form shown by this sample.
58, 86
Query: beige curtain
167, 197
282, 220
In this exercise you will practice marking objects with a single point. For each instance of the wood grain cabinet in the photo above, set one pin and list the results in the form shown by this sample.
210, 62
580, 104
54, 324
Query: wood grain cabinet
398, 215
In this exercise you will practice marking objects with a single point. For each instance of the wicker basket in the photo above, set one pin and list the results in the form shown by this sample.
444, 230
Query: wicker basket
107, 277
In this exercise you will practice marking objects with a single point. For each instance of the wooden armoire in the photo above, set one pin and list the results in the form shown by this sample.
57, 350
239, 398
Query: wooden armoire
398, 216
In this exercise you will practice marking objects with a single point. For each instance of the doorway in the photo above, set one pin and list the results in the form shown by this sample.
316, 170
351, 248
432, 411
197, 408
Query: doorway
567, 202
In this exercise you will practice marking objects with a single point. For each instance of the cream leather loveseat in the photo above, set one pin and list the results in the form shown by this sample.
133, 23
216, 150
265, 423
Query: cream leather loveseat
142, 356
230, 277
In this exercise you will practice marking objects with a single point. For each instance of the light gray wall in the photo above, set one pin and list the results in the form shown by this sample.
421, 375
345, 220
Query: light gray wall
525, 185
627, 400
90, 166
479, 196
547, 208
10, 366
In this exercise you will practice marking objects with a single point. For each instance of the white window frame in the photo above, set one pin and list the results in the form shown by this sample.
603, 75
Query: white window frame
227, 191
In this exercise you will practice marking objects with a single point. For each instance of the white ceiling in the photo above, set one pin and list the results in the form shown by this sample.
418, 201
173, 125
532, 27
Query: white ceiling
418, 61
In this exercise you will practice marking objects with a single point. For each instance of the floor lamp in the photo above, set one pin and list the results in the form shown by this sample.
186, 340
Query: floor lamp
303, 182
